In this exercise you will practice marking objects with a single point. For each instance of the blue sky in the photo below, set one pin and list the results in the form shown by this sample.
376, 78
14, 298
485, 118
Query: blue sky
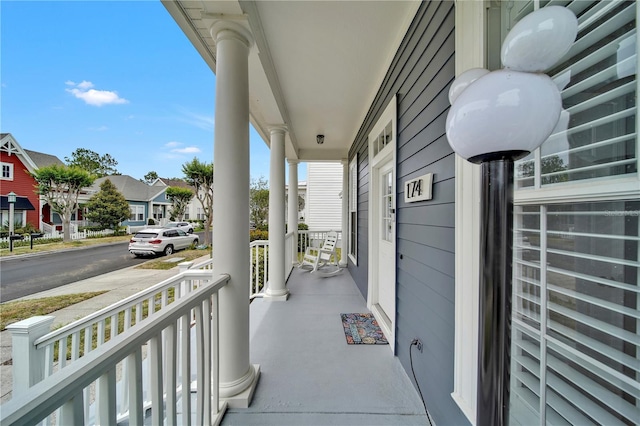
115, 77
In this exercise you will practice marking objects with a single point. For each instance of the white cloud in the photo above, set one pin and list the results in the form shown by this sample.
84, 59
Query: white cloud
99, 129
94, 97
187, 150
172, 144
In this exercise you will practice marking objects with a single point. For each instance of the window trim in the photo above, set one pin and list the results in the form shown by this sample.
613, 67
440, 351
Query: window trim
470, 24
353, 208
135, 211
10, 167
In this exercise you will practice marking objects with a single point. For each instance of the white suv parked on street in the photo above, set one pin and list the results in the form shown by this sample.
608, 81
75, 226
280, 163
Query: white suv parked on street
149, 242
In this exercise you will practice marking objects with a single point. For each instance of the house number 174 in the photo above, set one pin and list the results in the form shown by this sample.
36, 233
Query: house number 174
418, 189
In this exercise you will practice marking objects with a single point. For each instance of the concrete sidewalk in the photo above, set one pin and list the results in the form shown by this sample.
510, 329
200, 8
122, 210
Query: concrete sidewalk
118, 285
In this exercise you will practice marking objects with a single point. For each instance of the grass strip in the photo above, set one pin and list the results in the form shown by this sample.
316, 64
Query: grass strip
19, 310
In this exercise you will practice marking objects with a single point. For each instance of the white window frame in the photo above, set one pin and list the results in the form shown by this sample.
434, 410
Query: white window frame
9, 166
353, 208
470, 53
135, 210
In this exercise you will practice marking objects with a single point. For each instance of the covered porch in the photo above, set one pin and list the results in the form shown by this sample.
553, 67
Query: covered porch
310, 375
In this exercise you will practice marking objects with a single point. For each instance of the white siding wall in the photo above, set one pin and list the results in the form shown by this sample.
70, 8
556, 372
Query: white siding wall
323, 204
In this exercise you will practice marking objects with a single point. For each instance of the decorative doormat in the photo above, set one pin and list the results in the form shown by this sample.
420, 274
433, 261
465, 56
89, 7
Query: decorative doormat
362, 329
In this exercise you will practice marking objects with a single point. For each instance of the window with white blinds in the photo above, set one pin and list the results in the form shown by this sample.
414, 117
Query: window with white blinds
597, 137
576, 285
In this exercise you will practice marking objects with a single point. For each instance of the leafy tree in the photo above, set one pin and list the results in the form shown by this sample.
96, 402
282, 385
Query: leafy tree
300, 203
200, 176
259, 202
180, 198
551, 164
108, 207
60, 186
94, 163
150, 177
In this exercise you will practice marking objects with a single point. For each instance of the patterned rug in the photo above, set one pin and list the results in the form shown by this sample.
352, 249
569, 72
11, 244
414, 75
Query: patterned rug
362, 329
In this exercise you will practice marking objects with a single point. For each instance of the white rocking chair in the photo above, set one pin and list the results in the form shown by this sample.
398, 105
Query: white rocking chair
317, 259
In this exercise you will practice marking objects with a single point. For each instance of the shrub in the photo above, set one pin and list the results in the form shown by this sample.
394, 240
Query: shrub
150, 221
258, 235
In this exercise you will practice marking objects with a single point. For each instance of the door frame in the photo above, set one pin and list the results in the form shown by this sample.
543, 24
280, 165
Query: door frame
377, 158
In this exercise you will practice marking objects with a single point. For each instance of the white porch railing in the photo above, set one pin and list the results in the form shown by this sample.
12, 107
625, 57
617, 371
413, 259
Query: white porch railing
259, 261
169, 384
54, 352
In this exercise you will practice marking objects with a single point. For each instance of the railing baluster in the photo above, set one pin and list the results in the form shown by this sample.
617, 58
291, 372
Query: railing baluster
101, 331
155, 372
88, 339
106, 400
114, 325
185, 363
170, 366
215, 354
206, 337
136, 413
72, 413
62, 352
200, 382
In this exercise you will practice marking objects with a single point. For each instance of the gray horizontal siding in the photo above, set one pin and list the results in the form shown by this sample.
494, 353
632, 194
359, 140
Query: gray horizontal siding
420, 76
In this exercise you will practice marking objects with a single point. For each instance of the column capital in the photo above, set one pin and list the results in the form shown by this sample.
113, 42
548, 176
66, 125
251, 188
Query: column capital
231, 30
344, 161
275, 129
293, 162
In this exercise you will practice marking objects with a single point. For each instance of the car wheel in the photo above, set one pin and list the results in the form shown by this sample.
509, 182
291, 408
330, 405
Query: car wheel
195, 242
190, 231
168, 250
137, 255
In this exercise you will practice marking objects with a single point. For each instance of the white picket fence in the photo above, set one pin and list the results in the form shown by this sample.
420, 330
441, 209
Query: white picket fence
78, 235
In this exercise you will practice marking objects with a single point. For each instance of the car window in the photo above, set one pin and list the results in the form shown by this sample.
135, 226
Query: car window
172, 233
180, 232
172, 225
145, 235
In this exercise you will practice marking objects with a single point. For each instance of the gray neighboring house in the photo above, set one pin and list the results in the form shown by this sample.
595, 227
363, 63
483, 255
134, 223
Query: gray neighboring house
145, 201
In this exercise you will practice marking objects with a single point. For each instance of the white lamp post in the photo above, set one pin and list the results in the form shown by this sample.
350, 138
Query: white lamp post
11, 199
496, 118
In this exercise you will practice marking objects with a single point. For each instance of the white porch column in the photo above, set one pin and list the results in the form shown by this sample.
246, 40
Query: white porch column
293, 205
344, 246
276, 289
238, 377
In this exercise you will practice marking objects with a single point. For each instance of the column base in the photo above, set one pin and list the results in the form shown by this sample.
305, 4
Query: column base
277, 297
243, 399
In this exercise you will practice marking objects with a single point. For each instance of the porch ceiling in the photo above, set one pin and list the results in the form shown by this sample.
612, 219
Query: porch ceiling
315, 66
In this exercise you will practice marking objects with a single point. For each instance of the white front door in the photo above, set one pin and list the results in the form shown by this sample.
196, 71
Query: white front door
381, 298
386, 241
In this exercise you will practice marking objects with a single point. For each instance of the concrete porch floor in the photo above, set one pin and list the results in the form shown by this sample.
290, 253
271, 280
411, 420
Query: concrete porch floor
310, 375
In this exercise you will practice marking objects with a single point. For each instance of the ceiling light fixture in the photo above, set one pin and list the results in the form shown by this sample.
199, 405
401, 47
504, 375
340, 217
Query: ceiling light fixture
320, 139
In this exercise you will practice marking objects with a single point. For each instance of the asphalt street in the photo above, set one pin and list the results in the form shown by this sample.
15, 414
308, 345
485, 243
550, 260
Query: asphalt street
25, 275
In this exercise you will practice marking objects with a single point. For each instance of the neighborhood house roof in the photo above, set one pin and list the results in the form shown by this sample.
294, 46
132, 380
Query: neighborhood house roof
131, 188
42, 159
